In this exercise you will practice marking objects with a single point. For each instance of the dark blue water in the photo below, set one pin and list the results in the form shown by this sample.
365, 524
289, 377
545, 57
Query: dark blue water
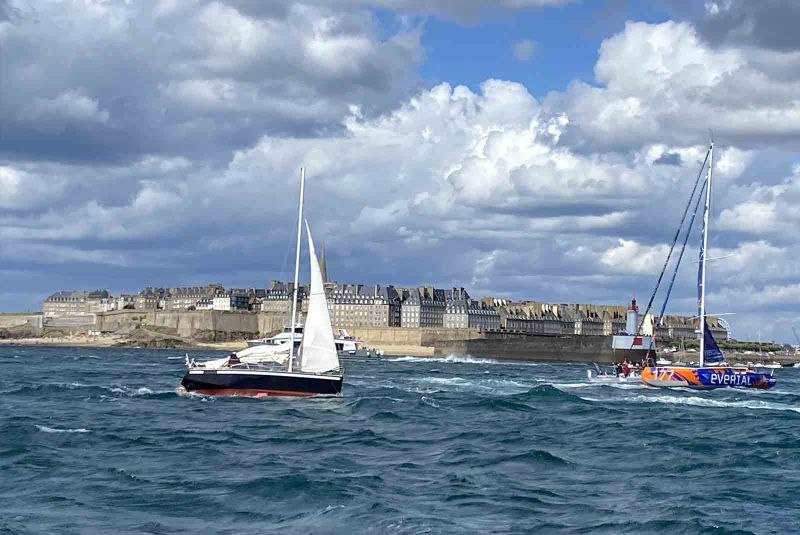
98, 441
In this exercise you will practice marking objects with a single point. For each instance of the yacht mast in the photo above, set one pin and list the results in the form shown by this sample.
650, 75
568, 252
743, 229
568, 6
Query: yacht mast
297, 263
706, 213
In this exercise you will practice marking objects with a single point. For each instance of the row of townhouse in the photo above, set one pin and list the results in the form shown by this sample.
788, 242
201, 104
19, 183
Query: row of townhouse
77, 303
363, 305
429, 307
545, 318
463, 312
360, 305
210, 297
535, 317
685, 327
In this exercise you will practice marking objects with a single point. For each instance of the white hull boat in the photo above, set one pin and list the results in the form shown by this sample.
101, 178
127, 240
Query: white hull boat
609, 378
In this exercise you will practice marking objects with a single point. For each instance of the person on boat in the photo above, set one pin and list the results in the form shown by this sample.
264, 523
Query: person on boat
233, 358
618, 369
626, 370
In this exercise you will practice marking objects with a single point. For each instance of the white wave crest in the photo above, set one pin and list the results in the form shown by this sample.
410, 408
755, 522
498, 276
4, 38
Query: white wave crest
455, 381
182, 392
45, 429
430, 402
697, 401
132, 391
464, 359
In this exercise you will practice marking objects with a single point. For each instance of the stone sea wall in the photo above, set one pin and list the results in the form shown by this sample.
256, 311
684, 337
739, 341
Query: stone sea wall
205, 325
220, 326
566, 348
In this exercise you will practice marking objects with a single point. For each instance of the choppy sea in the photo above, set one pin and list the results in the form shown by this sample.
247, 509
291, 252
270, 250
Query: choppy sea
100, 441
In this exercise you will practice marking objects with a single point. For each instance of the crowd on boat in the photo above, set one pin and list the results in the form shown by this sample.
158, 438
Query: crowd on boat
626, 369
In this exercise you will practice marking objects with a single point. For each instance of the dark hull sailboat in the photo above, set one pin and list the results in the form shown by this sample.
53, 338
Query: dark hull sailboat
252, 372
255, 383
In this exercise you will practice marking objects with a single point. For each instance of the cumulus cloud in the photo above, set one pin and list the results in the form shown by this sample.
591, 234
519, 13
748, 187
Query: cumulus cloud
112, 81
70, 105
168, 152
764, 23
466, 11
22, 190
631, 257
663, 82
766, 210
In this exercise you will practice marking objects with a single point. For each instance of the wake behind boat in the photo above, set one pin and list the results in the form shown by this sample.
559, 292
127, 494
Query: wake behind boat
705, 377
267, 370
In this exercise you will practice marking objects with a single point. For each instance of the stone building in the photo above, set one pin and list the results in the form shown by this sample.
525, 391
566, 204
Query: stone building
614, 319
677, 327
565, 316
239, 299
230, 301
456, 312
586, 319
71, 303
361, 305
516, 319
205, 303
149, 299
423, 307
456, 315
187, 298
126, 301
531, 317
277, 298
482, 316
686, 328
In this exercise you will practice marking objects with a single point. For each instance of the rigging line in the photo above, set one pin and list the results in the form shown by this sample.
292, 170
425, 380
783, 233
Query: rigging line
674, 241
683, 249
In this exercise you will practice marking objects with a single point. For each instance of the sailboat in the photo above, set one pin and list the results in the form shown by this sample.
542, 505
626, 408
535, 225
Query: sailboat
262, 371
707, 375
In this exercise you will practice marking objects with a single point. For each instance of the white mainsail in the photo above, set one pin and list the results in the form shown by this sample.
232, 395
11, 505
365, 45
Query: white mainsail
318, 352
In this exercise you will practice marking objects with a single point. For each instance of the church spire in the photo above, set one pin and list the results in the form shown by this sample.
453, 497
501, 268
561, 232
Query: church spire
323, 265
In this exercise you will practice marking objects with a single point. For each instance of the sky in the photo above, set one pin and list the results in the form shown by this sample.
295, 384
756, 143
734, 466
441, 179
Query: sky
526, 149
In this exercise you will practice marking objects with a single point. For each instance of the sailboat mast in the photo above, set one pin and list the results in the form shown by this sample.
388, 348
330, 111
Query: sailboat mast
297, 263
706, 214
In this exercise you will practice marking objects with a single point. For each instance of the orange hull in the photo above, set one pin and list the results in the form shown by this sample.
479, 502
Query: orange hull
706, 378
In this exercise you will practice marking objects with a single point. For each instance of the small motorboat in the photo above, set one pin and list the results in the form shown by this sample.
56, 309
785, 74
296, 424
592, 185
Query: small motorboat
600, 376
350, 348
